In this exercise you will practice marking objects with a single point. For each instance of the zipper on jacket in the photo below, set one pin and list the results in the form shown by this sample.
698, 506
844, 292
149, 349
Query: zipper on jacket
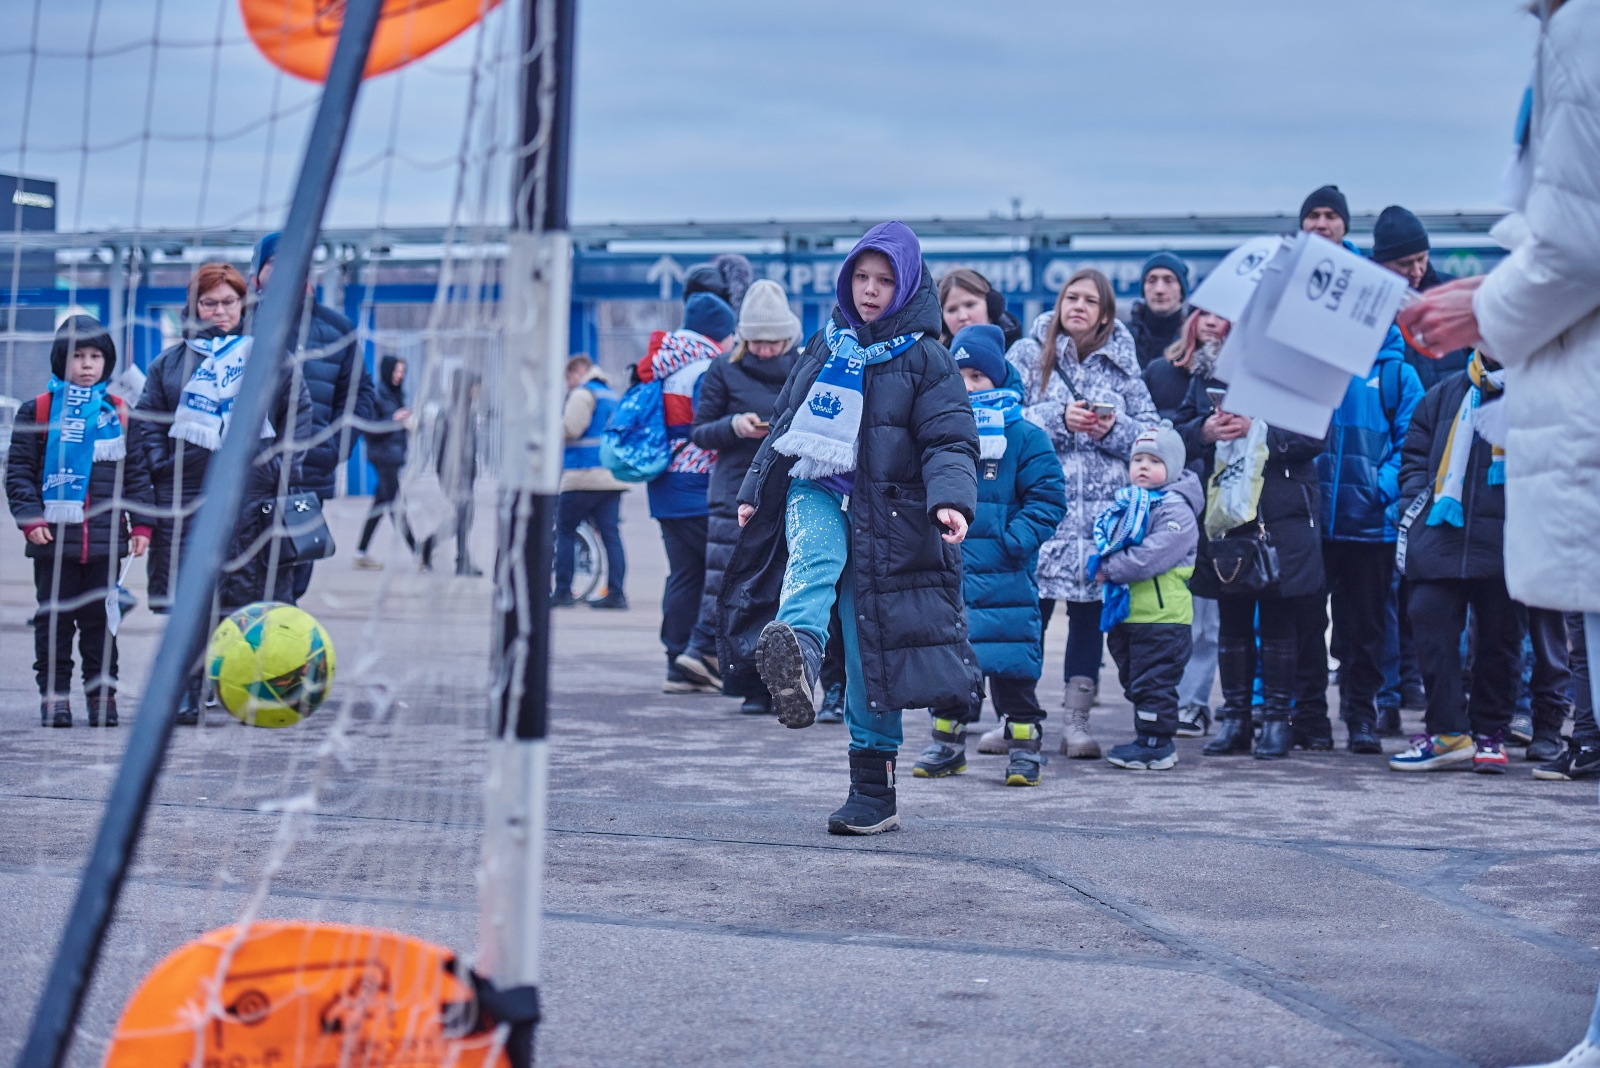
1160, 601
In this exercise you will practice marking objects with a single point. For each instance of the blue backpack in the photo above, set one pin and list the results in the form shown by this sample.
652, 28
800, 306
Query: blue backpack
634, 445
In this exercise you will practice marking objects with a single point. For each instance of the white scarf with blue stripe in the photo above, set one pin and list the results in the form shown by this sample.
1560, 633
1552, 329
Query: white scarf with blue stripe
206, 408
823, 432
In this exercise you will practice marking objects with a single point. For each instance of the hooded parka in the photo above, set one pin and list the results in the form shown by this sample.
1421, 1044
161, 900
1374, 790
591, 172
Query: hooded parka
1022, 498
1094, 470
915, 454
387, 448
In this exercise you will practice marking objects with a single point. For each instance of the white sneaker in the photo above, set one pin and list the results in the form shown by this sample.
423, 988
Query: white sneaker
994, 742
1584, 1055
363, 562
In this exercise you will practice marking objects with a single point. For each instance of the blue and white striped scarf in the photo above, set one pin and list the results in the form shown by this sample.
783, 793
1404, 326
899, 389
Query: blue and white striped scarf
1125, 523
823, 432
994, 410
84, 429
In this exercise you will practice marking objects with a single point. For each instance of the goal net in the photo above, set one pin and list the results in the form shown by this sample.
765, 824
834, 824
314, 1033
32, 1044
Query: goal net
144, 142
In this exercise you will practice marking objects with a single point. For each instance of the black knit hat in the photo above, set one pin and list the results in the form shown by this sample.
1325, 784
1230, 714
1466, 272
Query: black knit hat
1327, 197
74, 333
1397, 234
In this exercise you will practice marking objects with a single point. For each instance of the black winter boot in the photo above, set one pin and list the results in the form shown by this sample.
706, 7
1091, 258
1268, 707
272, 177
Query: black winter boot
1236, 666
56, 712
188, 714
1363, 725
1025, 744
789, 663
102, 707
1278, 734
1389, 723
1277, 738
870, 807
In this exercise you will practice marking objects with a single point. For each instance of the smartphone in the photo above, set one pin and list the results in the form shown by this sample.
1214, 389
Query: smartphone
1216, 396
1102, 409
762, 424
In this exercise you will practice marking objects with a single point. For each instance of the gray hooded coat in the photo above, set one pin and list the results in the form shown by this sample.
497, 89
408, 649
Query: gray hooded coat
1094, 470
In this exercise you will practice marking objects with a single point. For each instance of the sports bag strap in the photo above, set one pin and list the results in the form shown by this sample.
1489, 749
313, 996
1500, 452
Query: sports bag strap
1404, 533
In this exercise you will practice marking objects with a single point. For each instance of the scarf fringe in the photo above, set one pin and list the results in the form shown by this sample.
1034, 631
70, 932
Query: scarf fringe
207, 437
1446, 511
991, 446
1497, 472
110, 449
63, 512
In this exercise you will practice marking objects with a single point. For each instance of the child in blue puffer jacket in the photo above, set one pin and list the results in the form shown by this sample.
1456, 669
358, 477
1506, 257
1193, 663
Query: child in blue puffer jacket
1021, 500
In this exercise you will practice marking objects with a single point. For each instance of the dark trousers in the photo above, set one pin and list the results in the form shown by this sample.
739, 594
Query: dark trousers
833, 655
602, 508
1085, 643
1311, 665
1015, 699
382, 502
1551, 682
76, 606
1150, 660
465, 513
1278, 654
1585, 731
1360, 576
685, 540
1438, 615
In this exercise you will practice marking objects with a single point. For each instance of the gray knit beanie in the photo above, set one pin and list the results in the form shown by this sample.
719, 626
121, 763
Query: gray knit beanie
1164, 444
765, 314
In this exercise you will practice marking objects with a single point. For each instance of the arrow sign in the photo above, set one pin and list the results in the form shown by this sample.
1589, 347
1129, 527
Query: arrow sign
667, 271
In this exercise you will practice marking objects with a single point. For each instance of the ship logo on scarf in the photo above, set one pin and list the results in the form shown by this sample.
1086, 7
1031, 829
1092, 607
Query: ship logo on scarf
826, 405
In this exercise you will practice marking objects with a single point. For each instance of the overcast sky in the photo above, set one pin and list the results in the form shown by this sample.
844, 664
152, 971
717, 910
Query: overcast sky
720, 109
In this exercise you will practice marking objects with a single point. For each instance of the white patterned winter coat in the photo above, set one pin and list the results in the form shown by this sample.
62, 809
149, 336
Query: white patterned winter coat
1094, 470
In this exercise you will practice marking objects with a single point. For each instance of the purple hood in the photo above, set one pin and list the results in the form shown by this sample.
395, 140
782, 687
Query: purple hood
896, 241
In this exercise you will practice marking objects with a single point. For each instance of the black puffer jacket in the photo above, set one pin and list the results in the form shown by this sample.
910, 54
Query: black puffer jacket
728, 389
177, 471
387, 448
1476, 549
332, 367
1291, 501
90, 540
1153, 333
916, 453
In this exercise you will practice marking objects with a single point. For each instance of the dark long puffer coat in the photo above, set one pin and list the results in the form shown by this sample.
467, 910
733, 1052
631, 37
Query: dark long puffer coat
1022, 498
1290, 504
915, 454
1476, 549
332, 369
727, 389
177, 471
90, 540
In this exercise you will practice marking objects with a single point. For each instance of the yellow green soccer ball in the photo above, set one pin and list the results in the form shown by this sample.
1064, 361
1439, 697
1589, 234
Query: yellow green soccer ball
271, 664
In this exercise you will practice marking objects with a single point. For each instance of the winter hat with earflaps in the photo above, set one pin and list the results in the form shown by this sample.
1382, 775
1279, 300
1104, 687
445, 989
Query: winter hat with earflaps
1164, 444
765, 314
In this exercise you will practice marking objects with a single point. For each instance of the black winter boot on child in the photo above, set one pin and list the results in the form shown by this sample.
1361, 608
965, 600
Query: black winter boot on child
948, 753
102, 706
870, 807
56, 712
790, 663
1025, 742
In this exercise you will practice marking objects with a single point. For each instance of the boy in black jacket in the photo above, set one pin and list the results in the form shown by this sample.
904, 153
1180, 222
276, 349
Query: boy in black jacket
69, 482
1452, 487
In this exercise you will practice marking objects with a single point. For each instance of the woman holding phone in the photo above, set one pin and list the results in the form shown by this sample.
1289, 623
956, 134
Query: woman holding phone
1089, 397
737, 395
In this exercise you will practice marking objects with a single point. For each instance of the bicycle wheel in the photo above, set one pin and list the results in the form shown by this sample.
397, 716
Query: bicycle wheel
588, 577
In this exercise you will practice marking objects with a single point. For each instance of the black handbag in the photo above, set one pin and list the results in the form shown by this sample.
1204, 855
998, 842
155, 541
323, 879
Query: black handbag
1245, 565
306, 534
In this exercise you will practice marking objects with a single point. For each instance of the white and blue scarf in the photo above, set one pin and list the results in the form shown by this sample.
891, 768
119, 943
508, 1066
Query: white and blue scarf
1451, 478
994, 410
1125, 523
824, 429
84, 429
206, 407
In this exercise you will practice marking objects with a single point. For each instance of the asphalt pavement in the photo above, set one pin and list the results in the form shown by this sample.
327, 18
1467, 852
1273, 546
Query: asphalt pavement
1316, 911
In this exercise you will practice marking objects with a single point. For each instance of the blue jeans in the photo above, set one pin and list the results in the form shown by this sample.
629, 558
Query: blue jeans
1201, 672
818, 530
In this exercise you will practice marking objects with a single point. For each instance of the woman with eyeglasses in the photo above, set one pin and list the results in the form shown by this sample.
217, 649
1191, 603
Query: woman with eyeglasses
181, 419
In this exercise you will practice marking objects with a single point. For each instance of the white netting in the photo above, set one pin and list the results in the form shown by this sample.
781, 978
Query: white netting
174, 143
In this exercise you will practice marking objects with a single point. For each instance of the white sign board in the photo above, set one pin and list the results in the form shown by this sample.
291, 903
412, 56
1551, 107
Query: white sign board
1227, 289
1335, 306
